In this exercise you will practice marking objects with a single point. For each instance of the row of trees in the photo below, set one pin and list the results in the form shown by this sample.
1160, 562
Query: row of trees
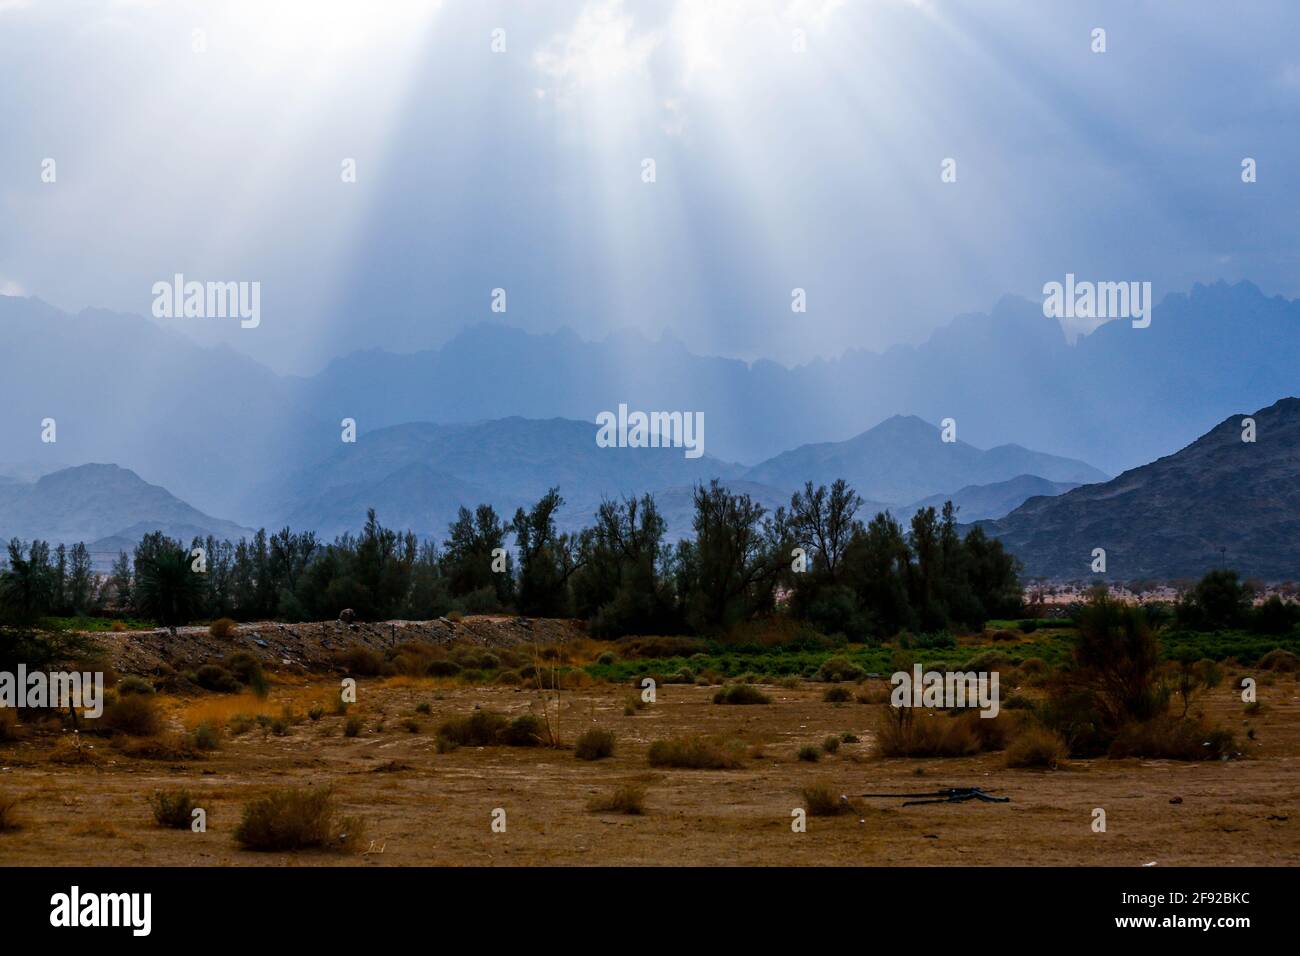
621, 574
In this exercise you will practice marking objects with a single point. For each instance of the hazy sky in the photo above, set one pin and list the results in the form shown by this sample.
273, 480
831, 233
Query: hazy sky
218, 155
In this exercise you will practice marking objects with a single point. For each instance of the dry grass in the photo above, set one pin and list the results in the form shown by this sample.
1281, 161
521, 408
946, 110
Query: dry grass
9, 729
904, 732
135, 715
1172, 738
1036, 747
8, 815
694, 753
217, 710
820, 801
626, 798
297, 818
594, 744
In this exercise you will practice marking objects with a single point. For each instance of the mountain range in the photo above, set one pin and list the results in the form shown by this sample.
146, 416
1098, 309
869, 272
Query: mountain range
1221, 501
217, 428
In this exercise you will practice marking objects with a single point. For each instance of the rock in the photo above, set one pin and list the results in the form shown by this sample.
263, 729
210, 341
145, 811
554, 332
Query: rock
1175, 799
347, 615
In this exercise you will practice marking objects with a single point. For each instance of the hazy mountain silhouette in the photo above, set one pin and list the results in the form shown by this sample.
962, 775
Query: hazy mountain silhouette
979, 502
903, 458
1169, 519
220, 430
92, 502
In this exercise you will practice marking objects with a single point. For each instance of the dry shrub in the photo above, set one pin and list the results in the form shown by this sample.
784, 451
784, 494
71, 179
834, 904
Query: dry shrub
627, 798
1173, 738
902, 732
8, 815
172, 808
9, 729
297, 818
525, 730
363, 662
874, 693
820, 801
594, 744
352, 726
1036, 747
1279, 660
223, 629
694, 753
479, 729
159, 747
837, 695
135, 715
741, 694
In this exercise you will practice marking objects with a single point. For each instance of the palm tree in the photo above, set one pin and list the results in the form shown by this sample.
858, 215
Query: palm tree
27, 585
167, 590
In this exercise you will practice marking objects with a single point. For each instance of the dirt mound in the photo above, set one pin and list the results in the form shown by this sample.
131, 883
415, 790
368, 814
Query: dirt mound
314, 646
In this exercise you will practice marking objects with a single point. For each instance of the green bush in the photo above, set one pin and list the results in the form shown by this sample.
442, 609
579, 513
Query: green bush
172, 808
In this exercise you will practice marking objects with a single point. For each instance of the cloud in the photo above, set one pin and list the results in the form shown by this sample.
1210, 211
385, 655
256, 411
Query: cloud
601, 46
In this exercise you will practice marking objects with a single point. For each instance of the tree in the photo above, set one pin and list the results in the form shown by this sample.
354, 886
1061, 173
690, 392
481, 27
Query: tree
736, 559
544, 564
468, 557
27, 585
166, 587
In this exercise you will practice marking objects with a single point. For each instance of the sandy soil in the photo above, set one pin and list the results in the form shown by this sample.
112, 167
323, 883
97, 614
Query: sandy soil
422, 807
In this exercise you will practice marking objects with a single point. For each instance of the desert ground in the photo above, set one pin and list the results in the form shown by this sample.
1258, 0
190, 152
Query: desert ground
87, 805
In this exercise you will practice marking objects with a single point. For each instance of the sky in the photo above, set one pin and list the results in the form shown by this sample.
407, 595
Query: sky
797, 144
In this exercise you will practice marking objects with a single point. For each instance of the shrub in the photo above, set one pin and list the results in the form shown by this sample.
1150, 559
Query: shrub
172, 808
594, 744
1279, 660
442, 669
627, 798
741, 694
606, 658
295, 819
479, 729
315, 712
132, 684
693, 753
836, 669
247, 669
424, 707
1172, 738
411, 725
525, 730
837, 695
1033, 666
205, 736
213, 677
363, 662
135, 715
8, 816
352, 726
240, 724
9, 729
820, 801
223, 628
831, 744
849, 738
903, 732
809, 754
1036, 747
